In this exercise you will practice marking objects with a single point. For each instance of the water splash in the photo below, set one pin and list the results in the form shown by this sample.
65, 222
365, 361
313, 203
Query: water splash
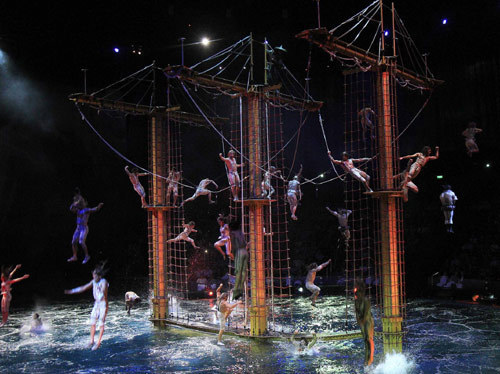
395, 363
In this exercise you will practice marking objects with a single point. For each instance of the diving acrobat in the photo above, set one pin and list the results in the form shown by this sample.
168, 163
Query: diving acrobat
347, 164
202, 190
421, 160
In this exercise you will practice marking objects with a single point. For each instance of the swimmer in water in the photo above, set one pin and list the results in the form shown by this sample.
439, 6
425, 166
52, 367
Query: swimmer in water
131, 299
36, 323
7, 283
301, 344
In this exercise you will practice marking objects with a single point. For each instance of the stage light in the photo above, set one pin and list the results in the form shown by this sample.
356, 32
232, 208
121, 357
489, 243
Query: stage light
211, 293
386, 33
322, 175
139, 53
116, 49
206, 251
220, 67
488, 165
439, 177
205, 41
301, 289
444, 21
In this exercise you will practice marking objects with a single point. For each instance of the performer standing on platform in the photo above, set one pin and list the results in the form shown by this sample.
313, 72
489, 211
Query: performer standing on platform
267, 187
7, 282
80, 208
294, 194
311, 276
347, 164
224, 239
188, 229
364, 318
421, 160
134, 178
99, 287
342, 216
239, 248
232, 173
202, 190
173, 185
470, 138
366, 122
448, 199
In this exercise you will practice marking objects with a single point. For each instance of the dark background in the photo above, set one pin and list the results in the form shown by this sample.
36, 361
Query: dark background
46, 150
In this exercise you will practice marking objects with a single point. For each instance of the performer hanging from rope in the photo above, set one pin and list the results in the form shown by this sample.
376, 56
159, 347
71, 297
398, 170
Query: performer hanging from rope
131, 299
100, 310
7, 282
202, 190
134, 178
188, 229
470, 138
342, 216
294, 194
302, 345
347, 164
311, 276
364, 116
267, 187
448, 199
224, 239
239, 247
402, 177
421, 160
80, 208
232, 173
364, 318
173, 185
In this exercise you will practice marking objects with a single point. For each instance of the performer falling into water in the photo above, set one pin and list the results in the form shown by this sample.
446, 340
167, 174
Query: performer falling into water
421, 160
448, 199
131, 299
311, 276
470, 138
224, 309
364, 318
302, 345
173, 185
294, 194
80, 208
188, 229
239, 247
202, 190
134, 178
347, 164
224, 239
99, 287
365, 116
267, 187
342, 216
7, 282
232, 173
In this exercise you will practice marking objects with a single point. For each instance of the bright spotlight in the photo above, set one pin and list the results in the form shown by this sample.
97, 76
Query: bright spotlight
206, 251
386, 33
322, 175
116, 49
210, 293
488, 165
301, 289
444, 21
205, 41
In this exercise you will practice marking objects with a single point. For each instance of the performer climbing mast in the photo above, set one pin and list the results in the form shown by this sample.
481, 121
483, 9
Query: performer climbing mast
267, 187
173, 185
134, 179
366, 122
342, 216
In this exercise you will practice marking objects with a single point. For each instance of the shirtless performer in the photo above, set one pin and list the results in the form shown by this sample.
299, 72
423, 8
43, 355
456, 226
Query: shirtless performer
173, 185
232, 173
202, 190
80, 208
403, 176
294, 194
470, 138
421, 160
448, 199
342, 216
266, 185
134, 178
311, 276
224, 239
364, 318
364, 116
188, 229
224, 309
347, 164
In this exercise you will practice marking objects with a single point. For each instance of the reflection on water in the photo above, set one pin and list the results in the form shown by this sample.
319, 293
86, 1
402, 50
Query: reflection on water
442, 338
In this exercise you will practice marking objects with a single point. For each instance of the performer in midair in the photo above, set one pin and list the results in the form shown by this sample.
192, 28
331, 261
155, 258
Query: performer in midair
232, 172
470, 138
173, 185
134, 178
267, 187
202, 190
364, 116
347, 164
239, 247
99, 287
311, 276
80, 208
342, 216
7, 282
294, 194
131, 299
188, 229
448, 199
224, 239
421, 160
364, 318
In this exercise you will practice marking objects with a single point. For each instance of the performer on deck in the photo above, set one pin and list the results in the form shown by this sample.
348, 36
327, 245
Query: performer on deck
311, 276
134, 178
364, 318
173, 185
188, 229
294, 194
267, 187
232, 173
347, 164
470, 138
99, 287
202, 190
80, 208
224, 309
364, 116
421, 160
7, 282
342, 216
239, 248
448, 199
224, 239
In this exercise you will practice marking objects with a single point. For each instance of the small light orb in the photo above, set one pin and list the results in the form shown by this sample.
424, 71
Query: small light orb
444, 21
386, 33
205, 41
116, 49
